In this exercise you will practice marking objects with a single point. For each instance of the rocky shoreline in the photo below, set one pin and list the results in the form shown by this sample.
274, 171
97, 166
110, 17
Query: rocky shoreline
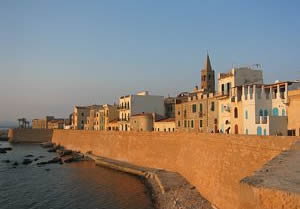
169, 190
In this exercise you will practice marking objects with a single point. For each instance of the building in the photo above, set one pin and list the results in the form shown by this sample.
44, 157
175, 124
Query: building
113, 125
198, 110
165, 125
138, 103
105, 115
56, 124
80, 114
141, 122
293, 111
259, 109
170, 107
41, 123
92, 118
226, 82
207, 77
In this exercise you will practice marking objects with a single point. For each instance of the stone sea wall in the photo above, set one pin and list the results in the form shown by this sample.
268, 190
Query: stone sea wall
214, 163
30, 135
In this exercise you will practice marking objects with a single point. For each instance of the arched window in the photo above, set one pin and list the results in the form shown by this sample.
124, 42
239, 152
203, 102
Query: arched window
246, 114
275, 111
266, 113
283, 112
235, 112
259, 131
265, 132
236, 129
261, 112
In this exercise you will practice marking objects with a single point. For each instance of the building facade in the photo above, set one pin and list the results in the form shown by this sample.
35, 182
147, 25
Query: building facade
293, 111
164, 125
136, 104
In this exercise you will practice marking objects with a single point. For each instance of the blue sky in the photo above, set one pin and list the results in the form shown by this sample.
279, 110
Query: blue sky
58, 53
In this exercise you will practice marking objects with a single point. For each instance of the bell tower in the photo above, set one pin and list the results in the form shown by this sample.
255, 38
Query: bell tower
207, 77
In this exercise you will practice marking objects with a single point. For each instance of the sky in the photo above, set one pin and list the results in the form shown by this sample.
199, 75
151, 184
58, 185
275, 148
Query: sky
55, 54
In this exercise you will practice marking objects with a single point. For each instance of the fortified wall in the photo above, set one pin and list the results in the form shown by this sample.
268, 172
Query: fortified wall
215, 163
27, 135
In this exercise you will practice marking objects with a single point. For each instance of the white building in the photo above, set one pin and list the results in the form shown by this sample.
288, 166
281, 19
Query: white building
138, 103
227, 81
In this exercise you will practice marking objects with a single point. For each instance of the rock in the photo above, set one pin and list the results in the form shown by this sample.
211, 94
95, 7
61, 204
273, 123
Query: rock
15, 163
52, 150
29, 155
55, 160
67, 159
47, 145
47, 169
36, 159
65, 152
5, 149
26, 161
42, 163
41, 156
6, 161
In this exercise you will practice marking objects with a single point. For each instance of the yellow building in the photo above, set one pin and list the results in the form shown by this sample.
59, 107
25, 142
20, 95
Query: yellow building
165, 125
293, 111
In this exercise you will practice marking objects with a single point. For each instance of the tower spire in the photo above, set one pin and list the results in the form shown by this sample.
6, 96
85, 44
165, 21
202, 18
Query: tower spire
207, 65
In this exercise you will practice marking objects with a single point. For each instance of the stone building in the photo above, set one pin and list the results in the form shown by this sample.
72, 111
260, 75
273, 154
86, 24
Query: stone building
56, 124
198, 110
91, 120
105, 115
80, 117
164, 125
226, 82
293, 110
141, 122
170, 107
138, 103
41, 123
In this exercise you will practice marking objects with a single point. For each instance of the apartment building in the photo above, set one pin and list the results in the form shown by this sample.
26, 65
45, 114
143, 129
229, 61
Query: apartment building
138, 103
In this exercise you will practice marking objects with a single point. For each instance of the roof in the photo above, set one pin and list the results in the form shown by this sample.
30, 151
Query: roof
142, 114
166, 120
207, 65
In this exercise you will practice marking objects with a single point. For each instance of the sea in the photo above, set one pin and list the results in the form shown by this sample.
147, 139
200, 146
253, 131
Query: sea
79, 185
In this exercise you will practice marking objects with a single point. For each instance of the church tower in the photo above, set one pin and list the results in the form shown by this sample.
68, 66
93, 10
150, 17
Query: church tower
207, 77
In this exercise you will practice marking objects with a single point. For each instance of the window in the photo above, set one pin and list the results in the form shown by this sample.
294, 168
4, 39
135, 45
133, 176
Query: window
265, 132
165, 130
200, 124
212, 108
266, 113
185, 123
283, 112
247, 131
178, 112
82, 114
157, 129
236, 129
173, 129
184, 112
201, 107
179, 123
82, 122
235, 112
192, 124
194, 108
246, 114
275, 111
261, 112
188, 123
169, 130
216, 120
